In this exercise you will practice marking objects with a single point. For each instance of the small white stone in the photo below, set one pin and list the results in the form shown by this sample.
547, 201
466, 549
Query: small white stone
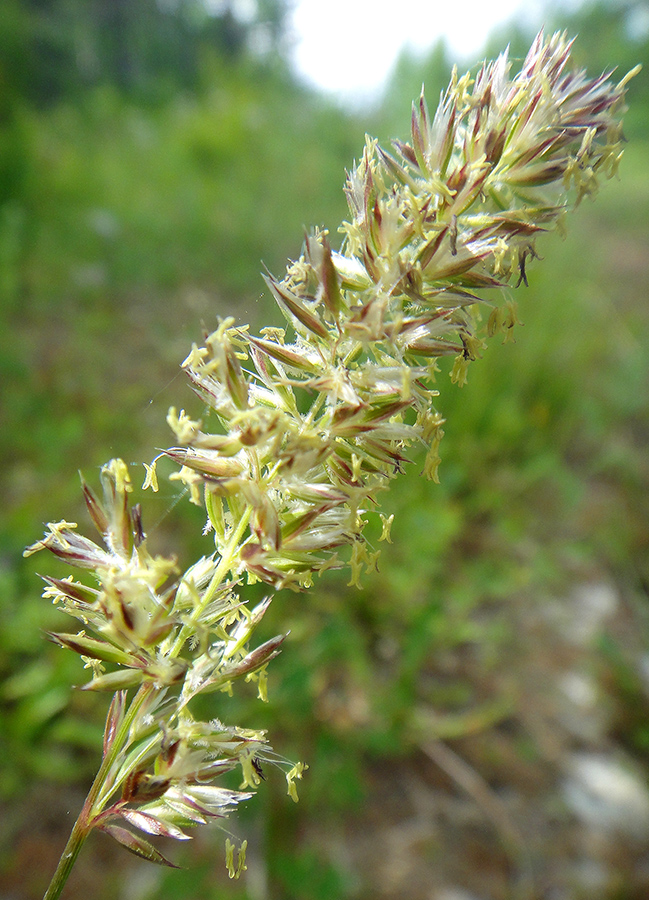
606, 795
591, 605
581, 710
453, 892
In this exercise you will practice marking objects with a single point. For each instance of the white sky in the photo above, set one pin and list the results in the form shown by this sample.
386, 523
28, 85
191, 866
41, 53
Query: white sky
348, 47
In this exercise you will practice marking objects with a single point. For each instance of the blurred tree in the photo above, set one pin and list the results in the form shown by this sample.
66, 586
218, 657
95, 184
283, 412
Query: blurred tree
146, 48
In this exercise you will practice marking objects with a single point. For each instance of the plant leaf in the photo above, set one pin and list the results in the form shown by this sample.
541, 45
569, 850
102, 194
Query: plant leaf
153, 825
137, 845
87, 646
114, 719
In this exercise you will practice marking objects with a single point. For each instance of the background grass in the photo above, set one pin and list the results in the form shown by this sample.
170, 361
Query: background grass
125, 226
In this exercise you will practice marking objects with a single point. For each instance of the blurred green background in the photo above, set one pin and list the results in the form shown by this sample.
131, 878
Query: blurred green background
474, 715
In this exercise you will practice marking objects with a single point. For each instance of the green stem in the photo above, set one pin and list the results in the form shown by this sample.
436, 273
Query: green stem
84, 824
75, 842
222, 569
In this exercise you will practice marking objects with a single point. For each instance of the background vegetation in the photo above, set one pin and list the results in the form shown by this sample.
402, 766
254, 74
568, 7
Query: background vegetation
151, 156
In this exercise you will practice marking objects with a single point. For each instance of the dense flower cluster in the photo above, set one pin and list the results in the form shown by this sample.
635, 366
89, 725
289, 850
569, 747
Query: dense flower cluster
173, 639
311, 423
311, 428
